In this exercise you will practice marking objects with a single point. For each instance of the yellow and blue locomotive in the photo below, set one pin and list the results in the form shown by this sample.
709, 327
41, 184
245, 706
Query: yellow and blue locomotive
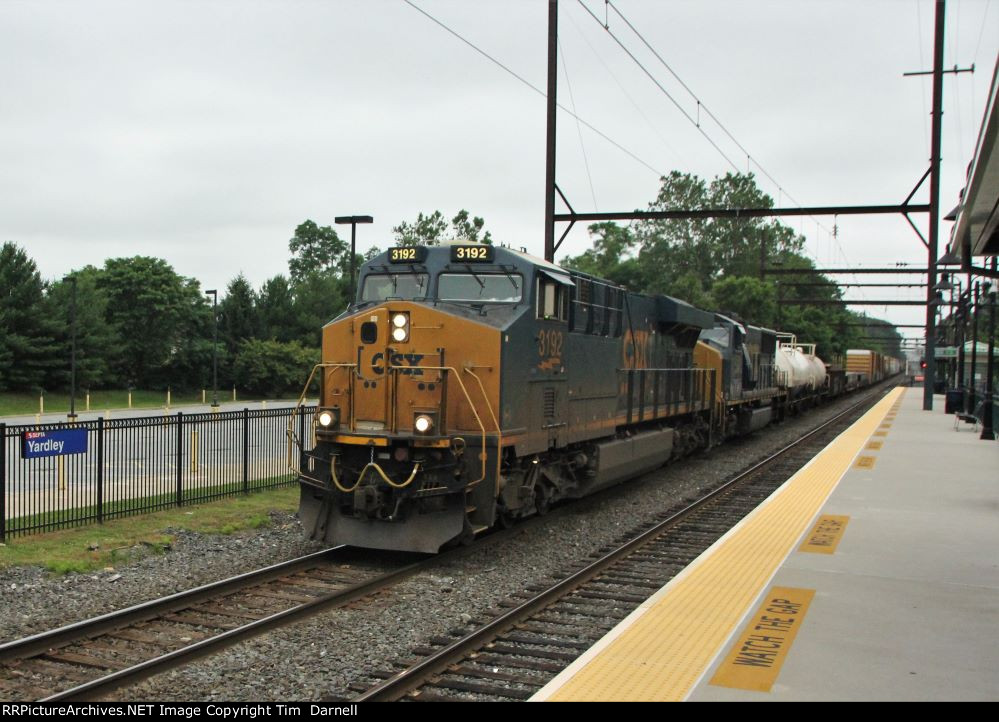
470, 385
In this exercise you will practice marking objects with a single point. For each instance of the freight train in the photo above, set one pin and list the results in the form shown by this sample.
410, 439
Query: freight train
470, 385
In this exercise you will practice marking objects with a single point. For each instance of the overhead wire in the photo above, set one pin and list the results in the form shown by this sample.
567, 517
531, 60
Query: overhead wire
781, 191
533, 87
700, 106
652, 126
662, 88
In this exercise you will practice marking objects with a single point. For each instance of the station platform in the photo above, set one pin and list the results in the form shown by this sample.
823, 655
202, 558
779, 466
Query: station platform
871, 574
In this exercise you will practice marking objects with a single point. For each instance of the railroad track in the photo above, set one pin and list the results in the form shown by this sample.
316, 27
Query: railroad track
95, 656
91, 658
534, 637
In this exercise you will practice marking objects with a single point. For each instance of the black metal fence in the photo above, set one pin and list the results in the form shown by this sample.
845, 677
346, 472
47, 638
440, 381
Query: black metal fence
142, 464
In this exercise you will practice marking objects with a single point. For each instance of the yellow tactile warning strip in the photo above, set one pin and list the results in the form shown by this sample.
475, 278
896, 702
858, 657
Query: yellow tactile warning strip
660, 650
825, 535
874, 445
759, 653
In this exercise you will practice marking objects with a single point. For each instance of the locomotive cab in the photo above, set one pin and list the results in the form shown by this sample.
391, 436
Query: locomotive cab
407, 436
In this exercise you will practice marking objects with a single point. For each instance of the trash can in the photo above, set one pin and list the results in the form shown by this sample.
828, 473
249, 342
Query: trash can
954, 402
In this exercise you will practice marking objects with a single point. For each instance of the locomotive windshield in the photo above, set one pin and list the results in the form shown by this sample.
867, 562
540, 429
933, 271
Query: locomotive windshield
480, 287
395, 285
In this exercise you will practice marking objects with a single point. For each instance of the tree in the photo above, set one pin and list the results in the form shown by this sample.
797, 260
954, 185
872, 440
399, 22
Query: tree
157, 315
317, 249
238, 319
317, 299
751, 299
189, 362
433, 229
28, 352
275, 310
96, 342
710, 247
609, 257
6, 356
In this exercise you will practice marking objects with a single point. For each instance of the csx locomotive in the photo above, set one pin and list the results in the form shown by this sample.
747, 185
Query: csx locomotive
470, 385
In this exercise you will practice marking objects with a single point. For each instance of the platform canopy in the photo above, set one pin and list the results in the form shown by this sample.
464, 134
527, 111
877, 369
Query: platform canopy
977, 226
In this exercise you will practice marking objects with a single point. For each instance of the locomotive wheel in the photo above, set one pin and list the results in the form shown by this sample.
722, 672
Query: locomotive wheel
542, 499
467, 535
504, 518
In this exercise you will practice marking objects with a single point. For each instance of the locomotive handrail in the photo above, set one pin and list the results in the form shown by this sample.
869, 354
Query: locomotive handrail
482, 455
298, 405
499, 431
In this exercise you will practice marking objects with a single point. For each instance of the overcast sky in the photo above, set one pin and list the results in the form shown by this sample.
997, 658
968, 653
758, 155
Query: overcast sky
204, 132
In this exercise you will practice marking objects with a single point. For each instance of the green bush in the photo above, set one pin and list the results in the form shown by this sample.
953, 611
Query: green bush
272, 368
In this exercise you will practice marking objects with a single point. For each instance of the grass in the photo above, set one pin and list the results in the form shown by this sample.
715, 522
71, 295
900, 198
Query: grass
136, 505
98, 546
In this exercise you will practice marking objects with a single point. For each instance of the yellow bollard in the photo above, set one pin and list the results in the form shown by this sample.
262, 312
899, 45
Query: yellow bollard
41, 404
168, 397
194, 452
129, 399
107, 414
62, 473
202, 396
88, 401
233, 393
263, 404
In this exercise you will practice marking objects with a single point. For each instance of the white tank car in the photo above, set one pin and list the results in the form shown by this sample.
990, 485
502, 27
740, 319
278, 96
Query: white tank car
798, 366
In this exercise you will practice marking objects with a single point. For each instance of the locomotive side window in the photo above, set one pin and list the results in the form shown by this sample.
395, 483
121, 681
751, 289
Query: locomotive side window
480, 287
553, 297
379, 287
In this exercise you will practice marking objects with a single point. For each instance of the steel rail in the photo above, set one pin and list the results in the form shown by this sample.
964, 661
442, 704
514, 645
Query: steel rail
95, 626
397, 686
41, 643
191, 652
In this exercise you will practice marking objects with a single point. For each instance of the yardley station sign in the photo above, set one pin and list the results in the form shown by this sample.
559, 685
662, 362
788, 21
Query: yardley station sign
36, 444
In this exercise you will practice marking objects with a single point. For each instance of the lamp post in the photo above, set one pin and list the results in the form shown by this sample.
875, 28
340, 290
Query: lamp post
215, 349
72, 362
988, 432
353, 221
974, 346
960, 316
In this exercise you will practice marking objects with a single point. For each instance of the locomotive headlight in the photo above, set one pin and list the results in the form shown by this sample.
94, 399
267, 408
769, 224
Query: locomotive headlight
328, 418
400, 327
423, 423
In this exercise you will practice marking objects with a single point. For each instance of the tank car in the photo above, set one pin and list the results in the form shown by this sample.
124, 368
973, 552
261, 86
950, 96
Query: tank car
469, 385
801, 372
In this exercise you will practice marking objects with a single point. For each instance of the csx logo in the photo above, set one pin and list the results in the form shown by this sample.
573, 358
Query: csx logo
398, 359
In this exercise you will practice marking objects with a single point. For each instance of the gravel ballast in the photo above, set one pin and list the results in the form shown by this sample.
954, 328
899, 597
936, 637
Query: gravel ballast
319, 657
